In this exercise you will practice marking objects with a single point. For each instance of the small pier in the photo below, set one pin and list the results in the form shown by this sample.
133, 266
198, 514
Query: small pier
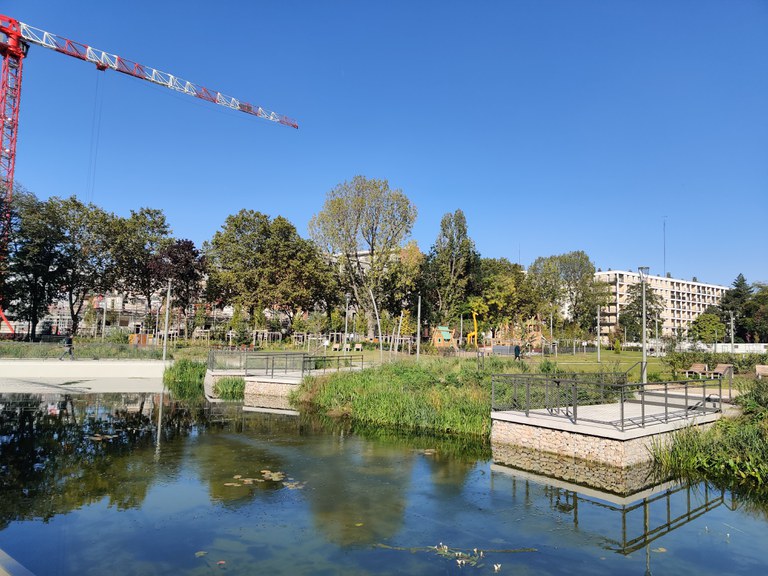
270, 377
597, 417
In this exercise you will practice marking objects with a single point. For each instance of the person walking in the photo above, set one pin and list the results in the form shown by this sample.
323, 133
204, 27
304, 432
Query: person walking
68, 347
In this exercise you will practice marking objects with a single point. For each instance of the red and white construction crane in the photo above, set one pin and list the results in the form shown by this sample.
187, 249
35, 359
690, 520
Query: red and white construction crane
15, 38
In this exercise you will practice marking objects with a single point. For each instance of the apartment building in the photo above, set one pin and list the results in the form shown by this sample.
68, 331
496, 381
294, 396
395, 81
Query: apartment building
684, 300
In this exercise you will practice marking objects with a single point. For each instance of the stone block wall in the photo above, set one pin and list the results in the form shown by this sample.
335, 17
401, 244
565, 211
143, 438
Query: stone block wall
609, 451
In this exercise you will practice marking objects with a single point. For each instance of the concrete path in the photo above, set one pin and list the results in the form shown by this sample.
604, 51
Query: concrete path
52, 376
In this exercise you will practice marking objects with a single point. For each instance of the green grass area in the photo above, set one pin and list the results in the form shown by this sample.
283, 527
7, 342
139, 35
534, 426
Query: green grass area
733, 453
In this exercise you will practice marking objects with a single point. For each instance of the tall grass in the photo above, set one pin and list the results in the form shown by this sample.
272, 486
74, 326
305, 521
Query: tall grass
230, 388
732, 453
449, 396
185, 379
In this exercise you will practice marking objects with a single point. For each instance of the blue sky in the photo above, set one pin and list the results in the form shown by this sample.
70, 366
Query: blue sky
555, 125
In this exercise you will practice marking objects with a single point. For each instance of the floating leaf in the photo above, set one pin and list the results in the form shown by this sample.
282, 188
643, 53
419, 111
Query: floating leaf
200, 553
237, 476
359, 524
221, 562
659, 549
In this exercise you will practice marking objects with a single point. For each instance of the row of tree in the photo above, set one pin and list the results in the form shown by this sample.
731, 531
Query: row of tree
358, 255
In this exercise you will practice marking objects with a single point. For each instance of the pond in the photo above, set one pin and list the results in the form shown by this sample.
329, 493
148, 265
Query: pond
89, 486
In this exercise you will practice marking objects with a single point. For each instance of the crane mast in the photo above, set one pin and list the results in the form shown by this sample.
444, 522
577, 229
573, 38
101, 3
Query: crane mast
15, 38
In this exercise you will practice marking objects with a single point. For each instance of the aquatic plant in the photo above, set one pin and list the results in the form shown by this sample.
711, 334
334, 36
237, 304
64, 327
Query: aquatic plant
230, 388
184, 379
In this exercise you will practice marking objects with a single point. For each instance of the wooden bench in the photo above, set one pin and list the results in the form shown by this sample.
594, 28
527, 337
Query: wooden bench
358, 347
698, 370
761, 370
722, 369
335, 347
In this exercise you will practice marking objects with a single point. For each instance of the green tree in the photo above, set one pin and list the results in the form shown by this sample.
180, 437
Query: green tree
451, 269
260, 264
85, 252
181, 263
735, 301
504, 291
361, 227
566, 283
35, 264
756, 314
137, 242
631, 316
707, 328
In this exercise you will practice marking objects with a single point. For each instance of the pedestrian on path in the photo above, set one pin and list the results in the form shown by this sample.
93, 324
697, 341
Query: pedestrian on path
68, 347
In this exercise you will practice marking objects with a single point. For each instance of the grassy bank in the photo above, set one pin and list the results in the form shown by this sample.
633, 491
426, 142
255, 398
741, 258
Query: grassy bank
446, 396
732, 454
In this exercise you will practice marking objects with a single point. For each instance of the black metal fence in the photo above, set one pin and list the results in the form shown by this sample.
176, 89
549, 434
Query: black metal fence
606, 399
251, 363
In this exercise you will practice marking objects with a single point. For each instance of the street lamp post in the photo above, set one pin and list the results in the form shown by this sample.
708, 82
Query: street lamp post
643, 270
346, 319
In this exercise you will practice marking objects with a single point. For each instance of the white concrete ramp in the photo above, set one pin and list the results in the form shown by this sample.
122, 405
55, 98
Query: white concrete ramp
80, 376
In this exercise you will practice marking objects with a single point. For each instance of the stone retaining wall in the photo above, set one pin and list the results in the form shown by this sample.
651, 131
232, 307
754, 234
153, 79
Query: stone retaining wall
267, 394
609, 451
603, 477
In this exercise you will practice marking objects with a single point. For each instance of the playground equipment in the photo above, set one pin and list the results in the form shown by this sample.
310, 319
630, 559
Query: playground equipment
472, 336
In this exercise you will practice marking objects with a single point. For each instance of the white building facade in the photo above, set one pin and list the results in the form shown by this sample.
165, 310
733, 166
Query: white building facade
684, 301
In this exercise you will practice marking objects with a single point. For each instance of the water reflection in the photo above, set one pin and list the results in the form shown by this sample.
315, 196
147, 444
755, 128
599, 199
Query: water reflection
145, 482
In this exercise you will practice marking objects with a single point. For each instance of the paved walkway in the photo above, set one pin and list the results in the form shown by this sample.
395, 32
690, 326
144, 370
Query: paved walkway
51, 376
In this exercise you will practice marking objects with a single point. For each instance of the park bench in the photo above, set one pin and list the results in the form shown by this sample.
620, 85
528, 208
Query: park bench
722, 369
698, 370
761, 370
335, 347
358, 347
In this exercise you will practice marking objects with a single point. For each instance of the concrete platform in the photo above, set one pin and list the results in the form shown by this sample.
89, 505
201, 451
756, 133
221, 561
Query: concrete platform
80, 376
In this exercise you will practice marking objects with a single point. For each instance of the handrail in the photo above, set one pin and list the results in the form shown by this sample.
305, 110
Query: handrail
582, 400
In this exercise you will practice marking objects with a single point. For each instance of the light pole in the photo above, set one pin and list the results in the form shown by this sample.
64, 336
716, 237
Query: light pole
643, 270
346, 319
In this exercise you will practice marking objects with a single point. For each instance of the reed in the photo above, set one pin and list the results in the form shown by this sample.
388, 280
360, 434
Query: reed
230, 388
448, 396
185, 379
732, 453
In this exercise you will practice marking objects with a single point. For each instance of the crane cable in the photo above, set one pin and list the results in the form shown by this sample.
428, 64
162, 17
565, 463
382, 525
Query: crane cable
98, 101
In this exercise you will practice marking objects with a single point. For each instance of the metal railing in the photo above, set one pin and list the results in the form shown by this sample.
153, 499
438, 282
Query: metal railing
605, 399
250, 363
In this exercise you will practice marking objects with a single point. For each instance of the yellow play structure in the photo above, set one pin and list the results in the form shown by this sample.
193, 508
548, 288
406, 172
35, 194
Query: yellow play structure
472, 336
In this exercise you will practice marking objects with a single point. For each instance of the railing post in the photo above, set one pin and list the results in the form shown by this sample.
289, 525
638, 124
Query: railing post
528, 397
493, 392
623, 390
575, 399
666, 402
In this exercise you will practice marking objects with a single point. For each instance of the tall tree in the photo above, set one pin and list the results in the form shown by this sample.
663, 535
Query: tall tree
756, 314
35, 267
566, 284
181, 263
361, 227
138, 241
452, 268
260, 264
86, 255
504, 292
734, 302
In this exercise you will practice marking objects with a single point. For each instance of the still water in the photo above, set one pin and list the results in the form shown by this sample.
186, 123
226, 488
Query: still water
89, 486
